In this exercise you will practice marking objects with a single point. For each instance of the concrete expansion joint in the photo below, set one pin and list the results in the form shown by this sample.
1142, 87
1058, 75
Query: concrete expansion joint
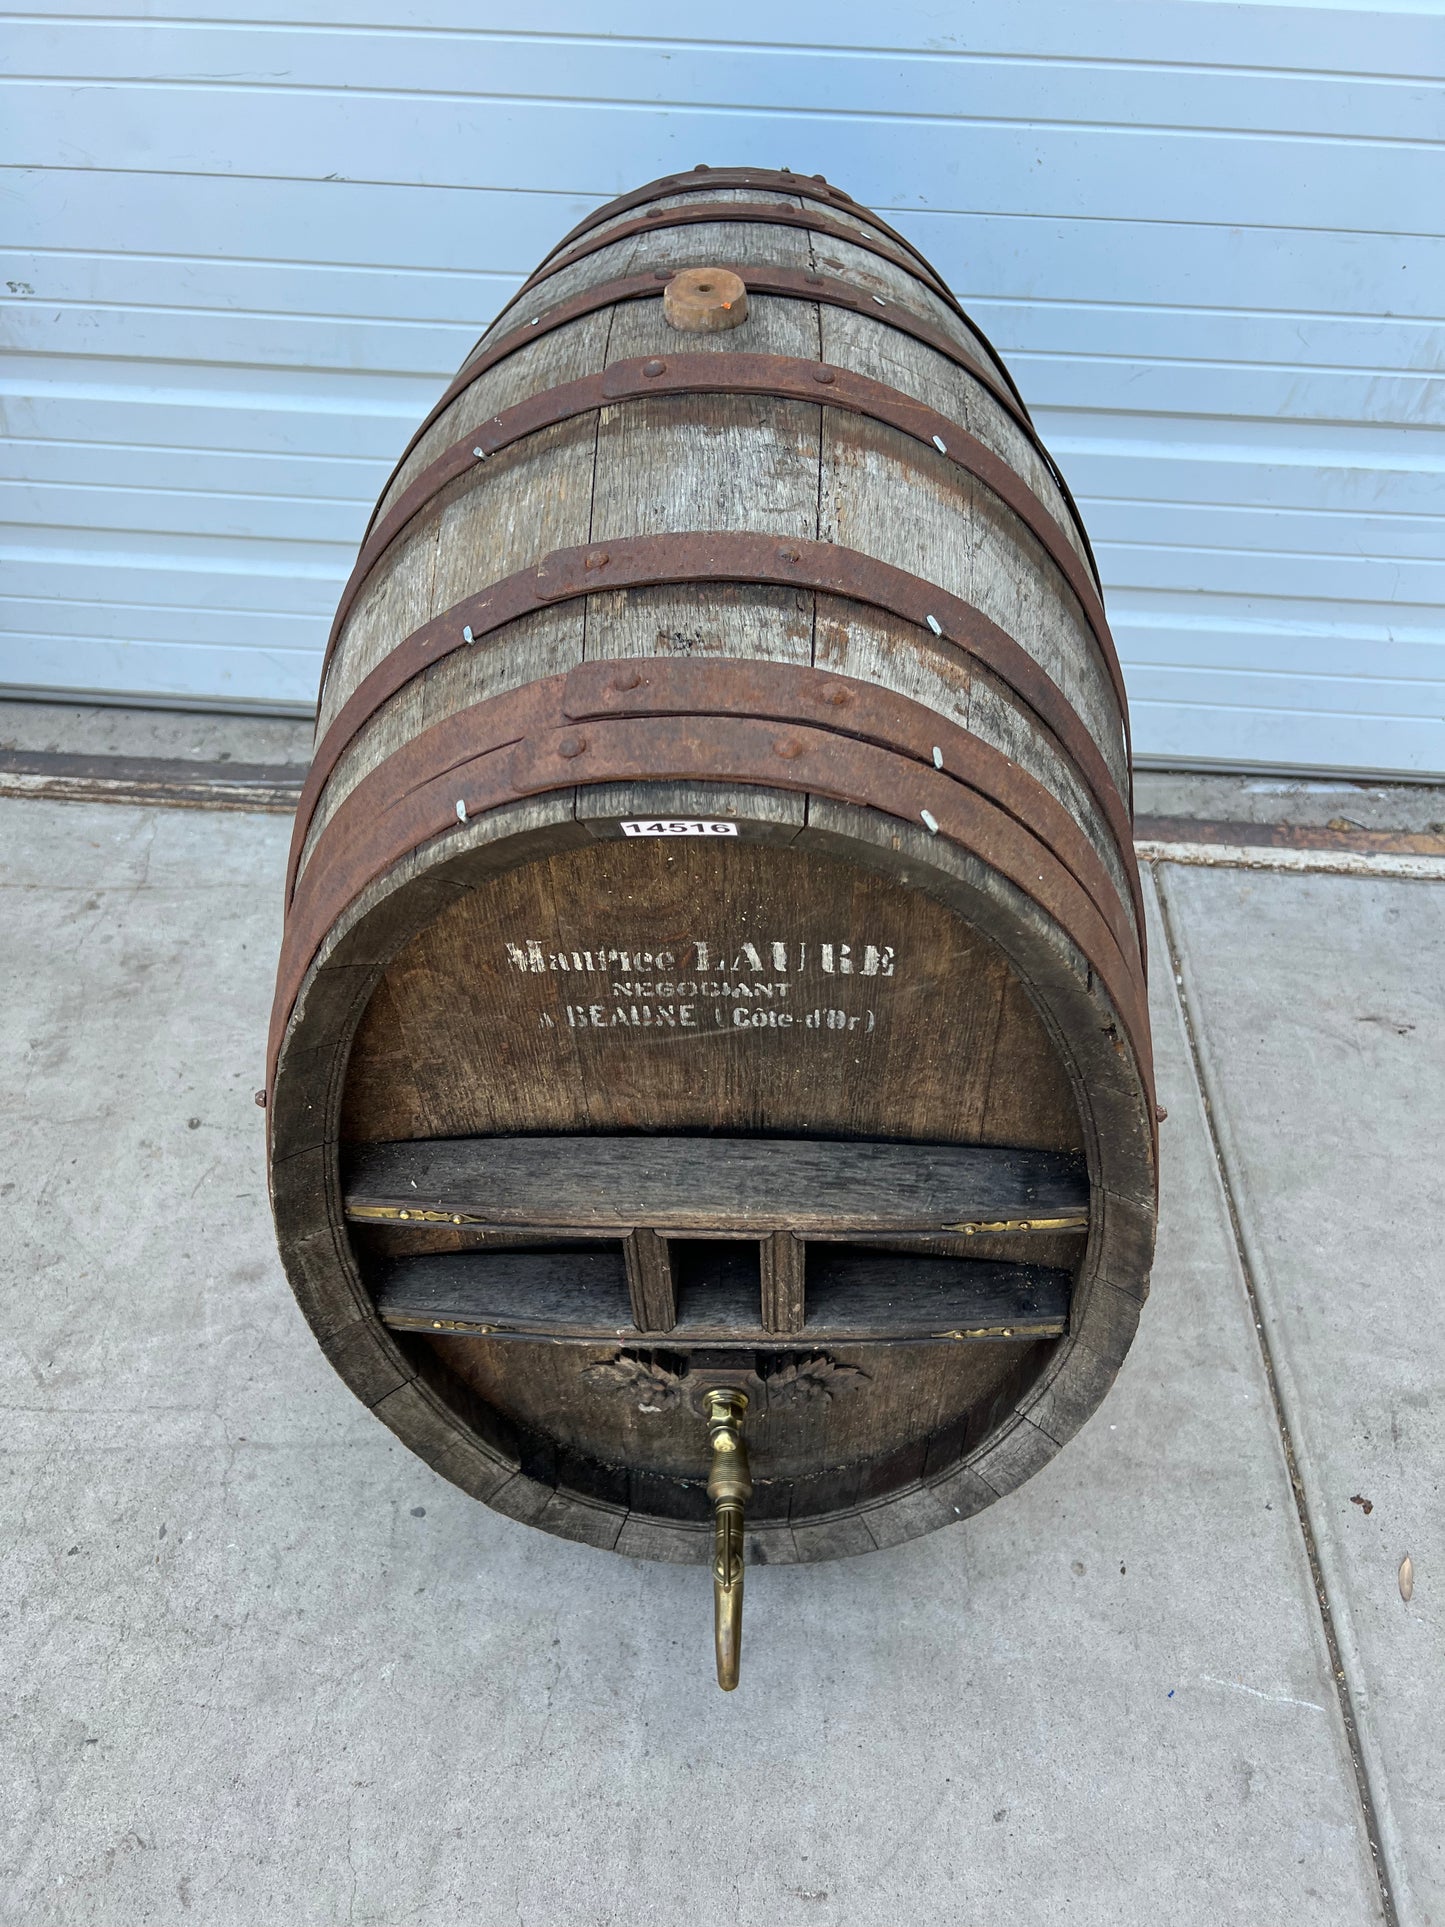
1343, 1691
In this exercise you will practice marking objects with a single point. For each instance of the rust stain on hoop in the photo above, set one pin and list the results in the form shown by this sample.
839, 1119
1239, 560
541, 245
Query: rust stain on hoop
747, 214
801, 284
707, 556
775, 377
662, 685
509, 749
807, 187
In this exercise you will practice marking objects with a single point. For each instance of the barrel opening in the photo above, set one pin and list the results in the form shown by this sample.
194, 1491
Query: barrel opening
876, 1212
718, 1238
719, 1284
567, 1287
851, 1288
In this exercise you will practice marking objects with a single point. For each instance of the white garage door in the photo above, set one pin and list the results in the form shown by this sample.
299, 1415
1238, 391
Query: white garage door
249, 248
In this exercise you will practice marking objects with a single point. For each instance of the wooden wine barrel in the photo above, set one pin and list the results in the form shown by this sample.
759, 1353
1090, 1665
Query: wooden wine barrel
714, 949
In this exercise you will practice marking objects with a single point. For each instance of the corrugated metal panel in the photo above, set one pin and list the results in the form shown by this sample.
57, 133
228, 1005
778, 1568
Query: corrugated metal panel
247, 250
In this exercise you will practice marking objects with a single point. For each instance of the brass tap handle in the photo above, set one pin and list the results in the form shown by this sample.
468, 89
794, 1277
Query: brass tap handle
729, 1486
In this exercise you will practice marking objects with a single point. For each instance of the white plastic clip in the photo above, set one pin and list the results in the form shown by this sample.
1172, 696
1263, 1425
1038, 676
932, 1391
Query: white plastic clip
881, 302
467, 635
938, 443
937, 757
481, 453
934, 624
461, 811
930, 821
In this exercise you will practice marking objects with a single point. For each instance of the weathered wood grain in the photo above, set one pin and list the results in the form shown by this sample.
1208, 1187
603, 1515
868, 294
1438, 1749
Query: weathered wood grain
868, 342
461, 1041
565, 354
649, 1281
913, 508
727, 243
545, 644
538, 499
893, 1395
856, 1297
880, 649
706, 1185
783, 1266
574, 1293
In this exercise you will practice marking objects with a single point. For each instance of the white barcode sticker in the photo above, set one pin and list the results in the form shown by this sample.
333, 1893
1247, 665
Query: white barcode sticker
677, 826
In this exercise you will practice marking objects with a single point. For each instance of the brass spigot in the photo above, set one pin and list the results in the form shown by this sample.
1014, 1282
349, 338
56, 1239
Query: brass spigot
729, 1486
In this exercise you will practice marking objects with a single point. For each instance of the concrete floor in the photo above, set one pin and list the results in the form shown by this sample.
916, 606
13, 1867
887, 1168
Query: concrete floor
262, 1665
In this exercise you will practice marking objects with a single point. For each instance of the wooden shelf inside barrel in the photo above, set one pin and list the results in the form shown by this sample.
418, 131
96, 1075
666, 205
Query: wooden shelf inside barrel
852, 1295
711, 1186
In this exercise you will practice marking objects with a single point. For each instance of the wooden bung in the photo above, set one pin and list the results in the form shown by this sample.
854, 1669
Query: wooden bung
713, 979
705, 301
